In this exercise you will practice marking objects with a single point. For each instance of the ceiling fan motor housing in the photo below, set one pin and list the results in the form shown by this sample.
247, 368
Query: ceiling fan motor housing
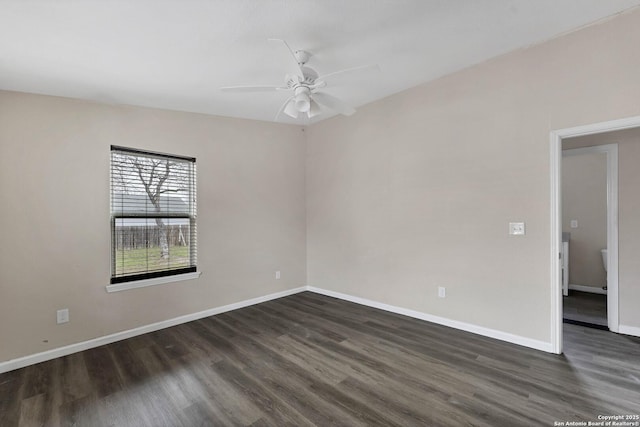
308, 78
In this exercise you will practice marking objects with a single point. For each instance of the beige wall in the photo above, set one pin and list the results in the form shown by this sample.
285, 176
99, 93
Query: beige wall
584, 199
628, 216
413, 192
54, 187
416, 191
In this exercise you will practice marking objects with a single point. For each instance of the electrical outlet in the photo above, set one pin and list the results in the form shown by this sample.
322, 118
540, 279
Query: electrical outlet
516, 228
442, 292
278, 275
63, 315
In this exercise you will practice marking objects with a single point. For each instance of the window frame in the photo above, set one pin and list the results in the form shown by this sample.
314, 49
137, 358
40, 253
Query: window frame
148, 278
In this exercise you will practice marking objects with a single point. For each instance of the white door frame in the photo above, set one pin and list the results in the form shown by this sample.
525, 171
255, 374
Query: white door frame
556, 223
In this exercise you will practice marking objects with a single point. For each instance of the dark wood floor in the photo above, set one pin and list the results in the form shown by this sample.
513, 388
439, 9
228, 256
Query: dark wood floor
585, 307
313, 360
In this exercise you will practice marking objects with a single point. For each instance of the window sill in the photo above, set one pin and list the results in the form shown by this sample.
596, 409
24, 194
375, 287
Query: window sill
152, 282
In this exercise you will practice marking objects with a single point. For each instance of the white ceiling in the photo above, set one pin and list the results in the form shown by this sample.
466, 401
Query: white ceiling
177, 54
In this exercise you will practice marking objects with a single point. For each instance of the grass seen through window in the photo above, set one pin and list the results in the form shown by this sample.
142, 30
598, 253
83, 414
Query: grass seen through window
130, 261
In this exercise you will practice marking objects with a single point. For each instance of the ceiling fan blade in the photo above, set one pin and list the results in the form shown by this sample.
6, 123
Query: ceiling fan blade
317, 85
333, 103
348, 71
298, 68
252, 88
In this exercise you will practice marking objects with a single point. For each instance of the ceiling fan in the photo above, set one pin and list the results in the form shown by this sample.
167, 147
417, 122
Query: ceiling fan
305, 84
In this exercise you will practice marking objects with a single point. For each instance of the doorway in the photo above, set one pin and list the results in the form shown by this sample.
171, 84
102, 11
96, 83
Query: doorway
589, 193
556, 139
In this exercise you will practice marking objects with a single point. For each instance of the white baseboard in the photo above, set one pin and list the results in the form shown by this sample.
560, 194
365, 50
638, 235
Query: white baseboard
590, 289
32, 359
629, 330
118, 336
468, 327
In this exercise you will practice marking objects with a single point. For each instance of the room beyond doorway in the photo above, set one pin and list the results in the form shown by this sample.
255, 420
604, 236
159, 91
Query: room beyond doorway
588, 175
585, 309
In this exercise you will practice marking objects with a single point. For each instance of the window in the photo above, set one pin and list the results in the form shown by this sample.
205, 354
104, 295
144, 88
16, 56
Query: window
153, 215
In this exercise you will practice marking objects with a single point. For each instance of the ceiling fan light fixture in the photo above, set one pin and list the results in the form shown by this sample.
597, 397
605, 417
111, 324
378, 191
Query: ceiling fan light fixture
314, 109
302, 102
291, 110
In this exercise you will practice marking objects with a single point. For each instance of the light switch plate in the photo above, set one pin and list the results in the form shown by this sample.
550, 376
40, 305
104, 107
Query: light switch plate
62, 316
516, 228
574, 223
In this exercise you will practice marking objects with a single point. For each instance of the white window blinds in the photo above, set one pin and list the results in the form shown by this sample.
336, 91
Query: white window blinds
153, 214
